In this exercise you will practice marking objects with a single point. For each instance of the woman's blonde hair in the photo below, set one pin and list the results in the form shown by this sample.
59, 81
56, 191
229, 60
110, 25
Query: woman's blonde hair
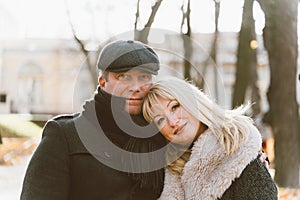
229, 126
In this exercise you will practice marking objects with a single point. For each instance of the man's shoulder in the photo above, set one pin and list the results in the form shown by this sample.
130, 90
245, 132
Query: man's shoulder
65, 118
63, 128
63, 121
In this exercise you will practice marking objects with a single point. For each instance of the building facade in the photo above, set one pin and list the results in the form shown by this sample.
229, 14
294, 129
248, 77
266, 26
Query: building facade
51, 77
38, 76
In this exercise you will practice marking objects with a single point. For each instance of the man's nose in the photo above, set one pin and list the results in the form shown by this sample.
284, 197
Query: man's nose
135, 85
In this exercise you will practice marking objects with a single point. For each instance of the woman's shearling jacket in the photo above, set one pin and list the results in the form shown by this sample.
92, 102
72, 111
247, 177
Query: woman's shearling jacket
210, 174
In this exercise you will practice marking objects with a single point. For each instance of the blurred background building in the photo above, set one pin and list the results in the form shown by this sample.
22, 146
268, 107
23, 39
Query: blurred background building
42, 75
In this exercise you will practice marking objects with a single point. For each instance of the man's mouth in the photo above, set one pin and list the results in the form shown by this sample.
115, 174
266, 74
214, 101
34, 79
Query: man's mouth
135, 100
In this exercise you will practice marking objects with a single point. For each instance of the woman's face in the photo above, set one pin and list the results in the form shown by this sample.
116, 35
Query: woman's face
174, 122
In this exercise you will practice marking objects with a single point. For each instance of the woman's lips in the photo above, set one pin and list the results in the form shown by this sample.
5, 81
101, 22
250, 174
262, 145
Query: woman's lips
179, 129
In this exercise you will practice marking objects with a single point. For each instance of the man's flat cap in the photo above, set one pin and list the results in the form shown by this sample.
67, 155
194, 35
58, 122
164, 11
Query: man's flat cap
124, 55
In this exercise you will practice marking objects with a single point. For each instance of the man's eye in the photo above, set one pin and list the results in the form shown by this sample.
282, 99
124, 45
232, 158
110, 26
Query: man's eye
145, 77
123, 77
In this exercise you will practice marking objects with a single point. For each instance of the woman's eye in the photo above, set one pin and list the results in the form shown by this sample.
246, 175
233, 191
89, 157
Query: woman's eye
159, 121
175, 106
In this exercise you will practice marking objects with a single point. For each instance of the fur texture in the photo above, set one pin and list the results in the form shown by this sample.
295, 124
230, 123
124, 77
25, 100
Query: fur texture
210, 172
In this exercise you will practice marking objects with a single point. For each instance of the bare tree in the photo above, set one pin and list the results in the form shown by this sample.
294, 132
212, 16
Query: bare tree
89, 62
142, 35
137, 15
246, 74
213, 52
187, 45
212, 58
280, 40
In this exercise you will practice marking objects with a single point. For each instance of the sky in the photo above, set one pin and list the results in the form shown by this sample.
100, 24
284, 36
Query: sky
99, 19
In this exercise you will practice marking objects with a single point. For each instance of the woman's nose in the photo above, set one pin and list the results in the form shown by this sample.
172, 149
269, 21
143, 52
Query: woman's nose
173, 120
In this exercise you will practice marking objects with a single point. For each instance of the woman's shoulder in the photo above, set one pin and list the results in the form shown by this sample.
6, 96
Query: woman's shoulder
258, 169
255, 180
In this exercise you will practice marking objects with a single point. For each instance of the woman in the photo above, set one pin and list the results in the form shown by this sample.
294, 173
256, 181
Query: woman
218, 147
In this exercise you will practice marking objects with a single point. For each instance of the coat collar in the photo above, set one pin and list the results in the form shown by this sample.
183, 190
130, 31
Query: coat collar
210, 172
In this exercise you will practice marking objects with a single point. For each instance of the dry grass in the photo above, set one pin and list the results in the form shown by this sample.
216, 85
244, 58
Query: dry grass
289, 194
13, 125
13, 149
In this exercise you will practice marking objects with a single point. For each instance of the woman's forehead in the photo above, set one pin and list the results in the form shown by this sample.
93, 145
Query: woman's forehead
156, 107
159, 105
161, 102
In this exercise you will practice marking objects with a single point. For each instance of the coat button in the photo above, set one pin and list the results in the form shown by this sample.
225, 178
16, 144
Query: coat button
106, 154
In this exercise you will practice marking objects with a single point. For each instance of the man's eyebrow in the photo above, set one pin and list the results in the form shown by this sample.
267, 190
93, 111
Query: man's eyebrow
118, 73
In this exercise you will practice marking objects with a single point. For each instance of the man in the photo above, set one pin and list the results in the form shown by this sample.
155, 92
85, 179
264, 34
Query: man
92, 154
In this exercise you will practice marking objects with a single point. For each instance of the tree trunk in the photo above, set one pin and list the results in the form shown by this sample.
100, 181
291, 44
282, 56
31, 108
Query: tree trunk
91, 65
280, 39
255, 91
246, 57
214, 49
142, 35
211, 60
187, 45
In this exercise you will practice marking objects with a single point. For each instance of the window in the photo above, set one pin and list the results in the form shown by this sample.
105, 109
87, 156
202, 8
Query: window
2, 98
29, 87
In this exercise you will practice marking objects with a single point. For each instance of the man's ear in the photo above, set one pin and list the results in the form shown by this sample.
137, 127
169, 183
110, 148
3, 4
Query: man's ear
101, 81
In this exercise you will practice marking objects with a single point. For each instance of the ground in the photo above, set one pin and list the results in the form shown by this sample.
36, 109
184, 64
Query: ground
15, 154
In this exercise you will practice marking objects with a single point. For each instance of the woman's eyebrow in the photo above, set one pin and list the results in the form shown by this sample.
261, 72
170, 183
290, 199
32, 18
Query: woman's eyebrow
158, 114
171, 100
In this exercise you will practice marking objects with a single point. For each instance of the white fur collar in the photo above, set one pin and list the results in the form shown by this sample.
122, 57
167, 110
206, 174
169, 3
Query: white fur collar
209, 172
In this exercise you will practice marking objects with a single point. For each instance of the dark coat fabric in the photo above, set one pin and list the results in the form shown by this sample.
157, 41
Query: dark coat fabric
73, 162
257, 178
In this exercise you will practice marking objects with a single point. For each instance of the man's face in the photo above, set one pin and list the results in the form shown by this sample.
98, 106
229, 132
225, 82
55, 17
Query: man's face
132, 85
